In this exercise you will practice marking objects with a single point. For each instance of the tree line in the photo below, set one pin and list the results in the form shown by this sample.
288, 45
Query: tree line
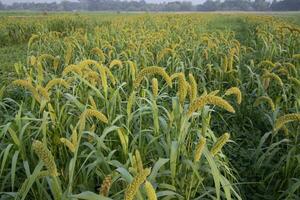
117, 5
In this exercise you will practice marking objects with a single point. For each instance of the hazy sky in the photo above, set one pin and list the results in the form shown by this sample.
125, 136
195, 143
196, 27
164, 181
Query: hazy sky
152, 1
149, 1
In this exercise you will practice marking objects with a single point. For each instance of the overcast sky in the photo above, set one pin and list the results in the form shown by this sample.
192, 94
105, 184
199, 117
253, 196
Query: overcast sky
152, 1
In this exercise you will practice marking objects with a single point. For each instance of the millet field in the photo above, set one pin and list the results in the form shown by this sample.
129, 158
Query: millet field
137, 106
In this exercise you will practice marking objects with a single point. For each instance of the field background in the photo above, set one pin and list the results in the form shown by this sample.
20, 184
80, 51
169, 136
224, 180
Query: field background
19, 47
250, 164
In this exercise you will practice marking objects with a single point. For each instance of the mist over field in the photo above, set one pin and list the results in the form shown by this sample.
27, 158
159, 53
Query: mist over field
148, 1
49, 1
151, 5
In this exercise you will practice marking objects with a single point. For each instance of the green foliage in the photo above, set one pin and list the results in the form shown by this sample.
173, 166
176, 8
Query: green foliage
97, 124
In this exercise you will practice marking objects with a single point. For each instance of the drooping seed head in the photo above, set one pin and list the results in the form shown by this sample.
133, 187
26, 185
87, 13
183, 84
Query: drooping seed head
235, 91
45, 155
105, 186
116, 62
151, 71
95, 113
281, 121
220, 143
273, 76
199, 149
267, 99
99, 53
56, 81
151, 194
182, 86
68, 144
155, 87
209, 99
193, 88
136, 183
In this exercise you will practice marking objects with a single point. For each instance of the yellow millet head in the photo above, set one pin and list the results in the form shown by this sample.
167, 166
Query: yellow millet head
273, 76
296, 56
68, 144
209, 99
116, 62
136, 183
95, 113
43, 93
99, 53
56, 81
139, 161
105, 186
267, 99
72, 68
45, 155
193, 88
235, 91
151, 194
155, 87
220, 143
267, 63
281, 121
182, 86
151, 71
199, 149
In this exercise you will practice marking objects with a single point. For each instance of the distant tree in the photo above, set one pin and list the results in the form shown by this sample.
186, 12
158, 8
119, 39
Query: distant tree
186, 6
261, 5
244, 5
52, 6
172, 6
89, 4
17, 6
177, 6
286, 5
2, 7
209, 5
69, 6
141, 5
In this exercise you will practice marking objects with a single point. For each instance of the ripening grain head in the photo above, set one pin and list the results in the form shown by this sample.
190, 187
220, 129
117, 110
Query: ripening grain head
193, 92
220, 143
235, 91
68, 144
94, 113
267, 64
99, 53
274, 77
182, 86
72, 68
296, 56
117, 63
281, 121
155, 87
135, 184
151, 71
56, 81
45, 155
209, 99
28, 85
199, 149
151, 194
32, 39
267, 99
105, 186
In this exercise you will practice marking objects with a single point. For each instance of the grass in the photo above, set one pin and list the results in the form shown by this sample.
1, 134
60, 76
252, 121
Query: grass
8, 57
